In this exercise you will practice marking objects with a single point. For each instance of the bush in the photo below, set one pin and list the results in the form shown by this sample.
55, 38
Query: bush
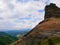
50, 42
39, 43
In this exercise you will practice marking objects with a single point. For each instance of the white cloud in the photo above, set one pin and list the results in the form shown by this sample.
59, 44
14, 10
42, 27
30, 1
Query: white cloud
12, 10
17, 14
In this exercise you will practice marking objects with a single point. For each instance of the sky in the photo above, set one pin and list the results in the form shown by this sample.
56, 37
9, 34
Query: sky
22, 14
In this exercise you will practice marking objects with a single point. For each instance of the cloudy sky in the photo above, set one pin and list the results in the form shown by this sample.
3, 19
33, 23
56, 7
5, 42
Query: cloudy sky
21, 14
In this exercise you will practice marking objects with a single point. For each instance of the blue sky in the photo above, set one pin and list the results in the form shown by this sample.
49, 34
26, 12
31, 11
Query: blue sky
21, 14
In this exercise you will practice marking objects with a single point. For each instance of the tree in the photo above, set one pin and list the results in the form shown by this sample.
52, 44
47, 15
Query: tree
50, 42
1, 43
39, 43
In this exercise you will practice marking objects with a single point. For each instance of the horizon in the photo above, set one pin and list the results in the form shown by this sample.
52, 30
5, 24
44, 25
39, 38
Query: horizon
15, 30
22, 14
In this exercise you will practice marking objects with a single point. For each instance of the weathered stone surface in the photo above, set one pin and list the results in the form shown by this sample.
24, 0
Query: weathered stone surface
52, 11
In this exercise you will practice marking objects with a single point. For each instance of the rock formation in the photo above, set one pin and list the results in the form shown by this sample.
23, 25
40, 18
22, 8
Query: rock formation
52, 11
48, 27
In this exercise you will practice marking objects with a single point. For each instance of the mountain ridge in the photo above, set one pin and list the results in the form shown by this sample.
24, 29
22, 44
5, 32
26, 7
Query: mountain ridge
49, 27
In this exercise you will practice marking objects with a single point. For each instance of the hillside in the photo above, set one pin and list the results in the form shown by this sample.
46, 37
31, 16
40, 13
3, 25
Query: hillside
47, 31
6, 39
49, 41
49, 26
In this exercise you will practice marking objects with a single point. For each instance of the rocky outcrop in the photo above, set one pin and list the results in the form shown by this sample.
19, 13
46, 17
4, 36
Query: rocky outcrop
48, 27
52, 11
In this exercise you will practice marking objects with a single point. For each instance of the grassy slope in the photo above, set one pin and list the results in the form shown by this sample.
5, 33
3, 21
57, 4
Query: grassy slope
49, 41
6, 39
54, 40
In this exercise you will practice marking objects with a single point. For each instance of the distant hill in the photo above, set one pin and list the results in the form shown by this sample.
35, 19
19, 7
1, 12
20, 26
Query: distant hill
17, 32
6, 39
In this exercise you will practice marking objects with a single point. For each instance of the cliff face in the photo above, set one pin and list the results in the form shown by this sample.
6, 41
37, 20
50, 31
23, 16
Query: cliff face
48, 27
52, 11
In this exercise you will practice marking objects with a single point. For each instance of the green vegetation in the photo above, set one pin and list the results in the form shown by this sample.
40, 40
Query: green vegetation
49, 41
6, 39
39, 43
52, 41
31, 43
